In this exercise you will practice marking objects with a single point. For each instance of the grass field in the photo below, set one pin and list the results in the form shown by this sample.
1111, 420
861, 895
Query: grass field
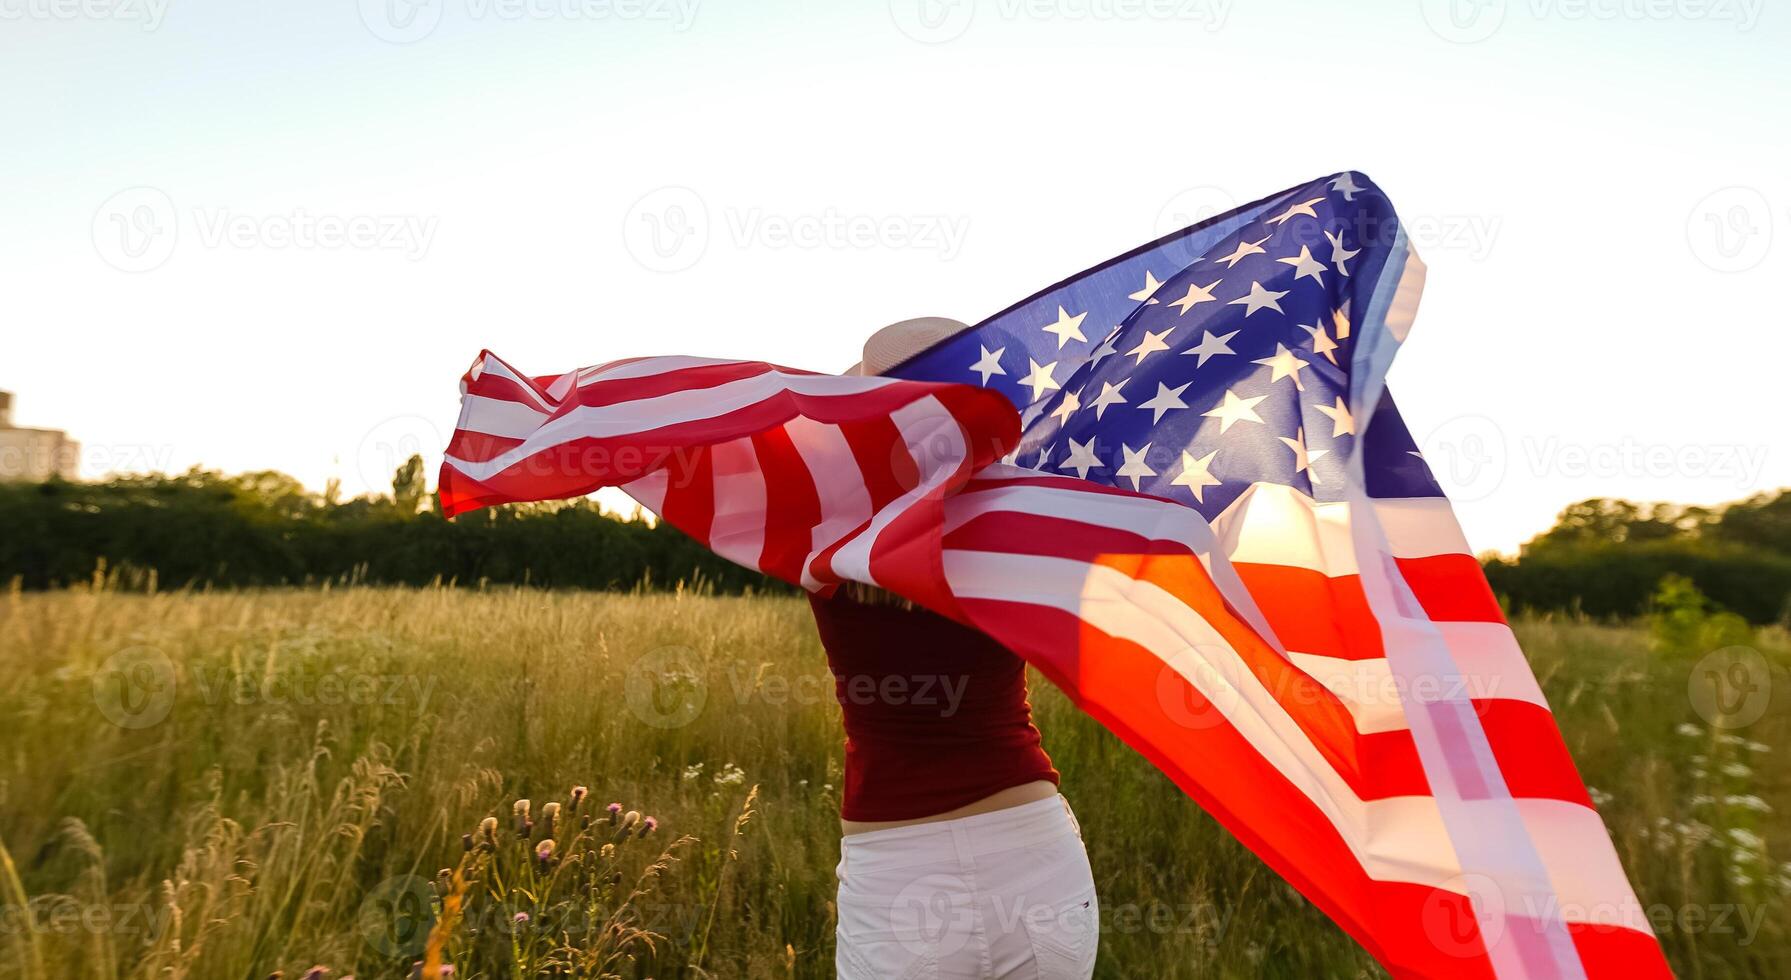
218, 786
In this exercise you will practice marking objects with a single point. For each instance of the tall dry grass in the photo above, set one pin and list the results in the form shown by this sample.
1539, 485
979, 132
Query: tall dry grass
218, 786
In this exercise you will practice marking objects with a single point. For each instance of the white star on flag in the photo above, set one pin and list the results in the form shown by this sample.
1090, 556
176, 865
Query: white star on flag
1067, 328
1210, 347
1040, 379
1134, 466
1082, 458
1197, 474
1259, 299
1196, 296
1164, 400
989, 363
1235, 409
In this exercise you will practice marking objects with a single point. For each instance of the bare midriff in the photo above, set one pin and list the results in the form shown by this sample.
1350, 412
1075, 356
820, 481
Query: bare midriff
1012, 796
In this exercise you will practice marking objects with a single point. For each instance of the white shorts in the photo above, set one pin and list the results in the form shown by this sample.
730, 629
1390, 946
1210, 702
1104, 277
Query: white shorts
1003, 894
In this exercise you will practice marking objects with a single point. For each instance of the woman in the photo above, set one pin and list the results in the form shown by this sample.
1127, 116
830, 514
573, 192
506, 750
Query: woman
958, 858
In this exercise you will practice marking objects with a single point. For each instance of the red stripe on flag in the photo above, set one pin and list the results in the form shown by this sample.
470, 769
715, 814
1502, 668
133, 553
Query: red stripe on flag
792, 507
690, 503
1315, 613
1452, 589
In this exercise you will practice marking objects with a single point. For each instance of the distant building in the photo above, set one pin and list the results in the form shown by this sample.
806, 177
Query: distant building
34, 454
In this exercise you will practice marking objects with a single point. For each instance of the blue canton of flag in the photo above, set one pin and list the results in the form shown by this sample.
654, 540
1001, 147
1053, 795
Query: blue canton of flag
1207, 361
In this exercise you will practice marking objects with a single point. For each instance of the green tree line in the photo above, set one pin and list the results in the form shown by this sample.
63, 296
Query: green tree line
1608, 558
203, 528
1603, 557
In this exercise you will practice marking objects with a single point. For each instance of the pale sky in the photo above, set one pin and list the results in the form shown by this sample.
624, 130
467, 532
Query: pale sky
273, 235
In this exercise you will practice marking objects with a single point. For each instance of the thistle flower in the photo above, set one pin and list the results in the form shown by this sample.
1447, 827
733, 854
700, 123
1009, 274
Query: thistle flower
648, 826
608, 851
578, 797
550, 813
317, 973
520, 917
466, 842
544, 852
521, 812
615, 810
630, 819
488, 830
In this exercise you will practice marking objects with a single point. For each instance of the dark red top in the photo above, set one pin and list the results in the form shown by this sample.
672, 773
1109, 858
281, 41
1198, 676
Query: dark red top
936, 713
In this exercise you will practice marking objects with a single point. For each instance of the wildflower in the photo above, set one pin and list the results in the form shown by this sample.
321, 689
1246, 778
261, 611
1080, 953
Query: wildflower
578, 797
488, 830
1599, 796
730, 775
692, 771
1747, 838
1740, 879
1702, 799
544, 852
466, 842
648, 826
550, 813
627, 824
1730, 739
520, 917
609, 851
521, 813
317, 973
1758, 747
1749, 802
615, 810
1693, 831
1689, 730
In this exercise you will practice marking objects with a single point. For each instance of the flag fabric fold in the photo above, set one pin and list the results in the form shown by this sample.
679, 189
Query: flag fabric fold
1175, 484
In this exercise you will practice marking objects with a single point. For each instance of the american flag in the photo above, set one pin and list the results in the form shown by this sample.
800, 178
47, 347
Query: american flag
1176, 484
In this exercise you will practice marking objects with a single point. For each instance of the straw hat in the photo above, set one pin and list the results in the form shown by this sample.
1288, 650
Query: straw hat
897, 342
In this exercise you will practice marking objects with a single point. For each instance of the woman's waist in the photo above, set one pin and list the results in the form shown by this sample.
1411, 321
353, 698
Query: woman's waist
1020, 816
